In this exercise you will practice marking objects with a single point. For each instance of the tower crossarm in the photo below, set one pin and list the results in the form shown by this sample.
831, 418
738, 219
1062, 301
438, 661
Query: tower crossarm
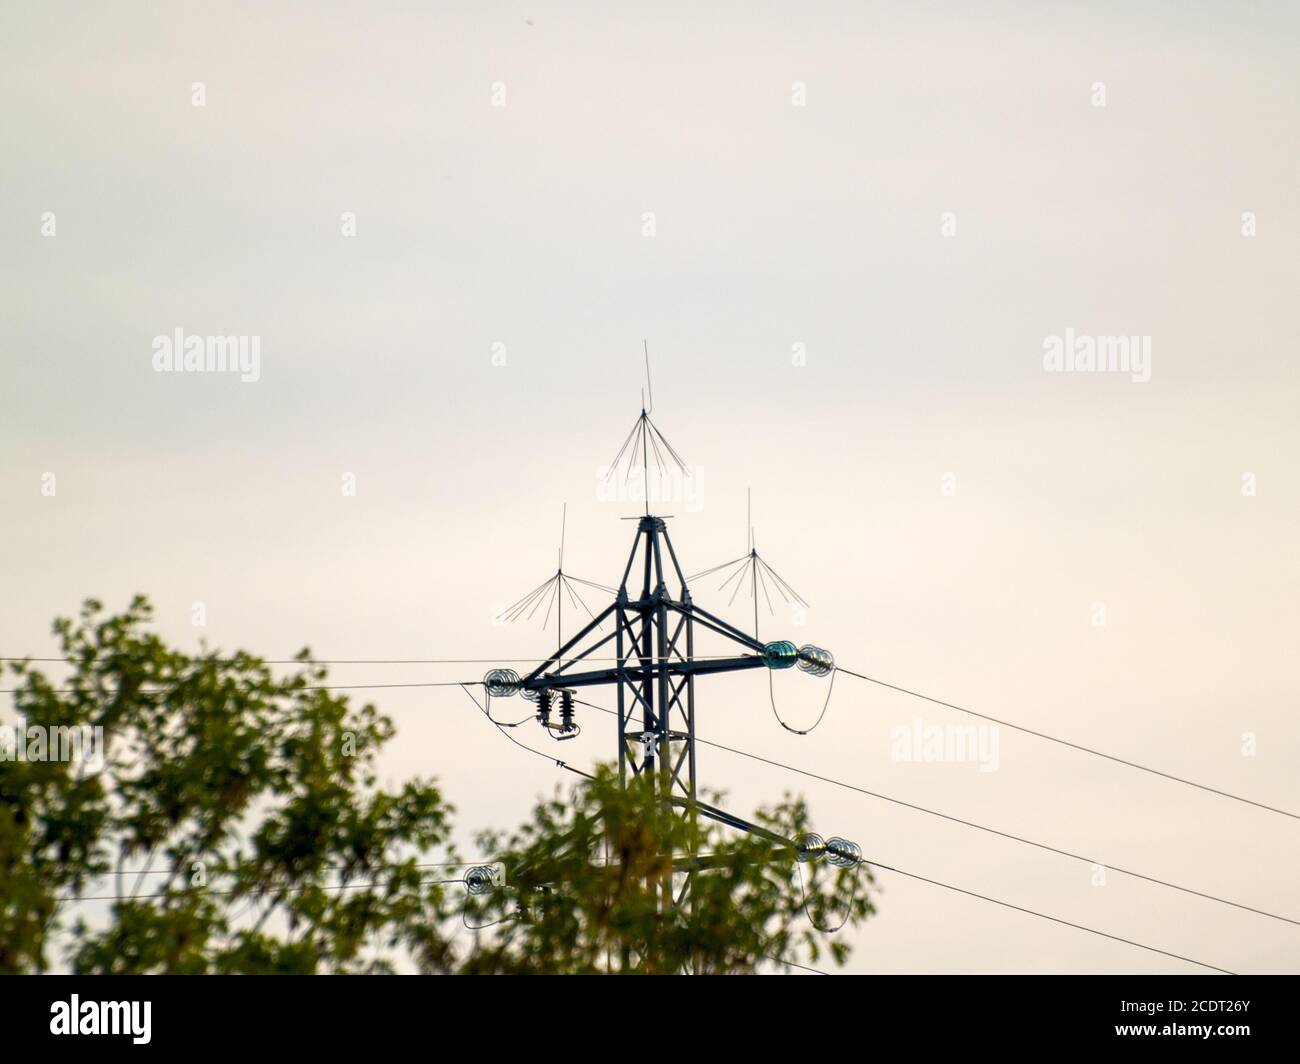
631, 672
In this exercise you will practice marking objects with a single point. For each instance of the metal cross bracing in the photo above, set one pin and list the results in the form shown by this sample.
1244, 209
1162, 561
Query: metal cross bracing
655, 668
655, 622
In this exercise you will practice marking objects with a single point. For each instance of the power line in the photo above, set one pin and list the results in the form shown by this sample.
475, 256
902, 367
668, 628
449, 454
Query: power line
795, 964
873, 794
77, 899
502, 728
1073, 746
327, 868
308, 687
251, 659
973, 894
982, 827
1045, 916
861, 676
874, 864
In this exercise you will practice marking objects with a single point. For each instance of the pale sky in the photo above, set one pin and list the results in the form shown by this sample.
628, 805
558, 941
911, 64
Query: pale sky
866, 221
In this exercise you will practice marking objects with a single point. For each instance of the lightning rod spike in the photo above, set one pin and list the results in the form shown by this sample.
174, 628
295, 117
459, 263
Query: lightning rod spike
649, 386
564, 520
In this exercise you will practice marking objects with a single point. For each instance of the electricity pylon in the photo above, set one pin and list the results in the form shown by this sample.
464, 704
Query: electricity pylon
654, 674
655, 669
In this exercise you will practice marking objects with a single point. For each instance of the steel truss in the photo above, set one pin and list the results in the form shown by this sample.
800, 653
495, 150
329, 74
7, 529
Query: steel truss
653, 637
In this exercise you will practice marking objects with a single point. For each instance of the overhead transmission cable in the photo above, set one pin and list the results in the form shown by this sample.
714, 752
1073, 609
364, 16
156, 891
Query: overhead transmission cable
983, 897
283, 888
369, 661
1073, 746
503, 728
980, 827
1046, 916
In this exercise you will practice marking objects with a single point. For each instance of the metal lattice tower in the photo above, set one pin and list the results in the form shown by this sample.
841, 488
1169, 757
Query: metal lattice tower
652, 630
653, 635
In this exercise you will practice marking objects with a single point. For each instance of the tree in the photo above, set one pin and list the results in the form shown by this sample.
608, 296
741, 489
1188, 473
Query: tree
586, 877
247, 793
234, 824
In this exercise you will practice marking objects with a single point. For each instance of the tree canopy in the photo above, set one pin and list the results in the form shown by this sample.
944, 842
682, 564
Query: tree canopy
234, 823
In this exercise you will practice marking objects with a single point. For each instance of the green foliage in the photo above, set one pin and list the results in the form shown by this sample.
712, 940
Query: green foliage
587, 879
249, 800
244, 795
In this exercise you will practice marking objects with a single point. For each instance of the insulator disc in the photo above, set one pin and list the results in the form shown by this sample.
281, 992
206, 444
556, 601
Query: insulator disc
501, 683
811, 847
481, 879
780, 655
842, 853
816, 661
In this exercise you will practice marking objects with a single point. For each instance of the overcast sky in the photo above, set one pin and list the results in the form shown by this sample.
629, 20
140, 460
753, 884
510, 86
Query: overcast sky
847, 232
